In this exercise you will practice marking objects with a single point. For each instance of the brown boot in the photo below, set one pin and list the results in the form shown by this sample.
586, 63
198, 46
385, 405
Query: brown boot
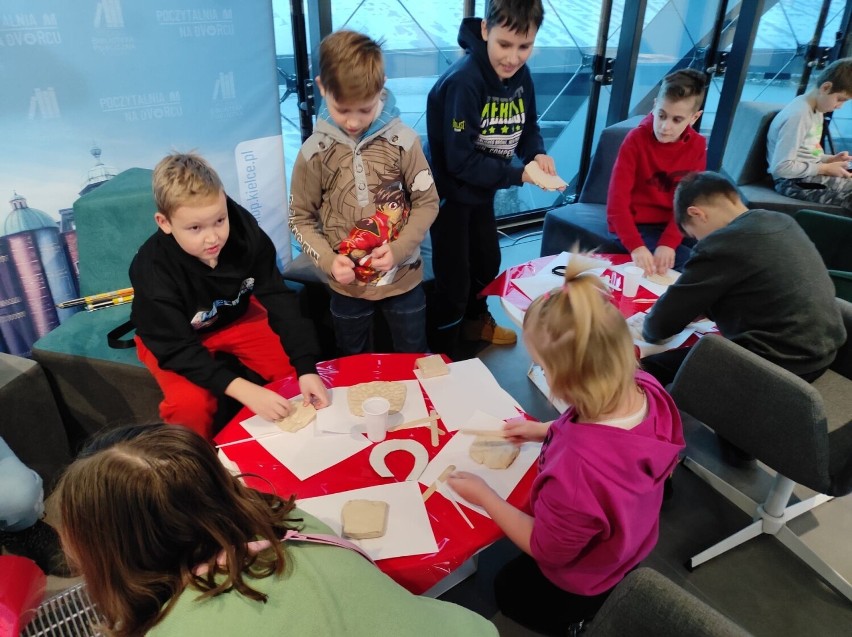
485, 328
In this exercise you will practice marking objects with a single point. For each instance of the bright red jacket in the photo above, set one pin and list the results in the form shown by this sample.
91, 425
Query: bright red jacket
646, 172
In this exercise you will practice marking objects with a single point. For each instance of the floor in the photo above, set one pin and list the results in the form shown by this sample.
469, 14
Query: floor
760, 585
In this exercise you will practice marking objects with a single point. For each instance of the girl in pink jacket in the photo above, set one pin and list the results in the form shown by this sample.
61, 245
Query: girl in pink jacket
596, 501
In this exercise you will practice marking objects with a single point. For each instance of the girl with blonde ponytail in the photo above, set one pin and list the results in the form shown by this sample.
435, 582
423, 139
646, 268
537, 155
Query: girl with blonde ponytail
595, 503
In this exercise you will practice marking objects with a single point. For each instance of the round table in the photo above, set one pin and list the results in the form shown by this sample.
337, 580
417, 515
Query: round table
457, 543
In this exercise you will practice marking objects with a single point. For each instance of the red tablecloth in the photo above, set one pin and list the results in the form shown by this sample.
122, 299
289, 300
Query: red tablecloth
504, 287
456, 541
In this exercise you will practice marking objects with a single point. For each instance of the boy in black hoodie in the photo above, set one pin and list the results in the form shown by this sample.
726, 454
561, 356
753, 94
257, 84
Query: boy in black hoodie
207, 282
480, 113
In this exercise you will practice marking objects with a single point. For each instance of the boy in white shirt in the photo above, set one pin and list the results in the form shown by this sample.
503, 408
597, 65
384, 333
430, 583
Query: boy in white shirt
797, 162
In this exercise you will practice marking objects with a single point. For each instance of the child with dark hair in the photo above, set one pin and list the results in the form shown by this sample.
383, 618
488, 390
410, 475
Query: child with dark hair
596, 500
651, 161
170, 543
479, 115
756, 274
362, 198
799, 166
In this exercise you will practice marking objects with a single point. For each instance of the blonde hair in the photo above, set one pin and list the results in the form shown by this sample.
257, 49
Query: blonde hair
144, 505
582, 341
351, 66
182, 178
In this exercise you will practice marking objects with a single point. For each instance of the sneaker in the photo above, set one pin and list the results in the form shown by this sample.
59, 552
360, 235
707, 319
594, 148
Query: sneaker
485, 328
40, 543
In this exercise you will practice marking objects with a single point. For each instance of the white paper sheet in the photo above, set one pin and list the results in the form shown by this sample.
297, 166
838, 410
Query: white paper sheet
467, 388
656, 288
480, 421
705, 326
336, 418
636, 322
408, 531
503, 481
307, 451
536, 285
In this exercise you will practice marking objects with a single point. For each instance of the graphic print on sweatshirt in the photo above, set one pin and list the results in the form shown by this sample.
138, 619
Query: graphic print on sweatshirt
392, 209
206, 318
501, 124
667, 182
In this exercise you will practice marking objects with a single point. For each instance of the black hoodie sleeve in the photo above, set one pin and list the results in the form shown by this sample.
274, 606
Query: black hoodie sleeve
704, 280
463, 103
159, 315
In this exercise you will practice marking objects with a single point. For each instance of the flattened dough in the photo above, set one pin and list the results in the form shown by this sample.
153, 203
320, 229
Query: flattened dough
431, 366
662, 279
364, 519
299, 417
493, 452
542, 179
393, 392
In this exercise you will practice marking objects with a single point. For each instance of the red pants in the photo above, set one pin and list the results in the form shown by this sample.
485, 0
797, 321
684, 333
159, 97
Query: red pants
250, 339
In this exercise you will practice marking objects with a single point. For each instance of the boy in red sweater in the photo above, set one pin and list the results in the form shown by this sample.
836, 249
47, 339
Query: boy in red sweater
653, 158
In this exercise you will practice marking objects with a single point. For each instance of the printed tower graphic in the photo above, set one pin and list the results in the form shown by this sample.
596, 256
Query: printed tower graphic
38, 266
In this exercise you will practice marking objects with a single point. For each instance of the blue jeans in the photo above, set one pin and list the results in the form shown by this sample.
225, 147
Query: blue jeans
21, 493
651, 233
405, 315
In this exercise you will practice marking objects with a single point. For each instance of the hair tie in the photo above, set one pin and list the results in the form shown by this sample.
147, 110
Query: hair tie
562, 289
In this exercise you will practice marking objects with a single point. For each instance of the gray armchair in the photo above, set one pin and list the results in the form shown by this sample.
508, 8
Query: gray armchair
802, 431
745, 162
585, 222
648, 603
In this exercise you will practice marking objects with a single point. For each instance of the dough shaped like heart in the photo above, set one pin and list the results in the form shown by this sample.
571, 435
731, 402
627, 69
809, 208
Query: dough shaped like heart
542, 179
364, 519
299, 418
493, 452
393, 392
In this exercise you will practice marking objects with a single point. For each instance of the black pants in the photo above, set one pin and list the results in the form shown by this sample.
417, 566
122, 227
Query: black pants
465, 258
526, 596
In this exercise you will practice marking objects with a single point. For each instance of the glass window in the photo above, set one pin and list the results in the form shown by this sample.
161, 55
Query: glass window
420, 42
674, 35
777, 61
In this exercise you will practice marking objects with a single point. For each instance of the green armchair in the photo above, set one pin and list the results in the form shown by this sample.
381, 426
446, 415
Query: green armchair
832, 235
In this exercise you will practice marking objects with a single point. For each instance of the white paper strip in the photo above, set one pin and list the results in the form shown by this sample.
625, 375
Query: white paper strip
468, 388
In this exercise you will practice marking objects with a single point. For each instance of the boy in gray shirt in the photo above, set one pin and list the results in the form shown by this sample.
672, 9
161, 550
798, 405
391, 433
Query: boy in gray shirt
798, 164
756, 274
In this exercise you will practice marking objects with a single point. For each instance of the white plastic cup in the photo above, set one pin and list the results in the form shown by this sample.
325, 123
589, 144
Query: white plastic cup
632, 276
376, 411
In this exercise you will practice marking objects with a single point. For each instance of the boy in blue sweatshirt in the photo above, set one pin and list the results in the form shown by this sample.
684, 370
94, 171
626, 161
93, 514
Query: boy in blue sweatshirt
480, 113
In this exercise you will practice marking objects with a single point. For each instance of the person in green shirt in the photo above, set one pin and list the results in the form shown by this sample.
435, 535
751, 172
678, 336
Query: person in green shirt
170, 543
